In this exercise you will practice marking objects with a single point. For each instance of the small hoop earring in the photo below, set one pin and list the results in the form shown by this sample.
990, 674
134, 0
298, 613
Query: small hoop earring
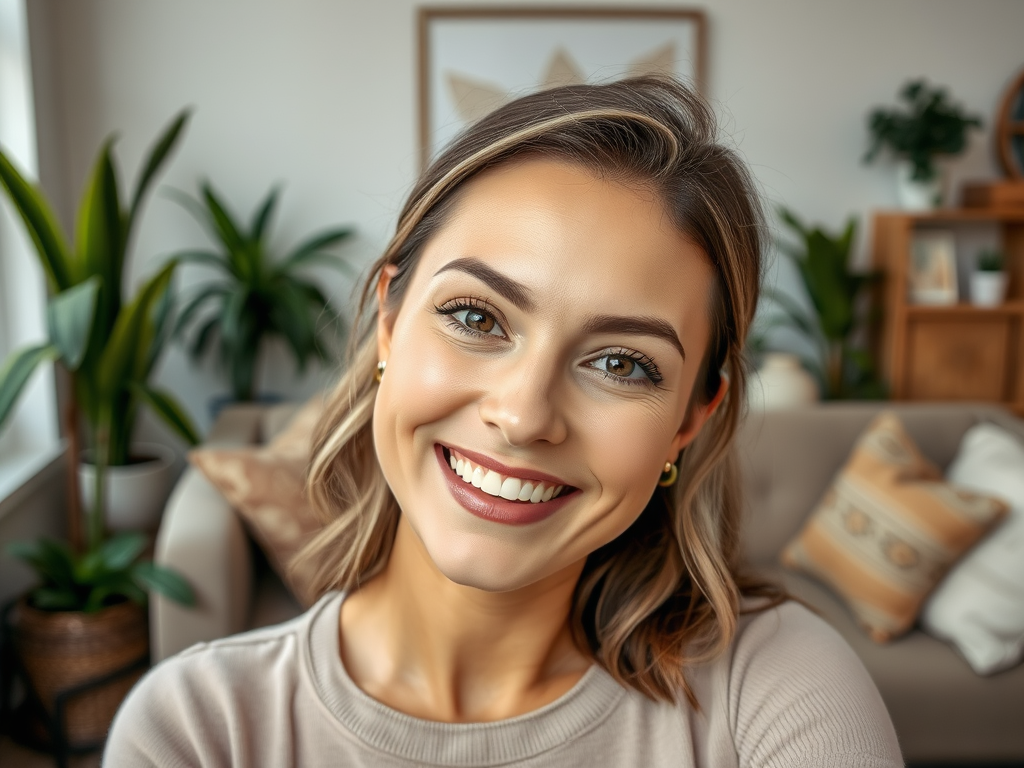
381, 365
669, 475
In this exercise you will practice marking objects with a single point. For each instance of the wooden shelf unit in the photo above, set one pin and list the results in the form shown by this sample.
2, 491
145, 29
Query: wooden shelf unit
958, 352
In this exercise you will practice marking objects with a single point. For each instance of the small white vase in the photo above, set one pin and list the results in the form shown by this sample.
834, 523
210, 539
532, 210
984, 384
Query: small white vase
916, 195
135, 494
781, 382
988, 289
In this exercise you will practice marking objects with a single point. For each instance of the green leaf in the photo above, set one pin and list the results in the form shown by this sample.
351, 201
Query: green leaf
41, 224
227, 229
52, 560
167, 408
208, 258
70, 315
195, 303
202, 339
157, 155
164, 581
119, 552
55, 599
100, 240
263, 214
312, 250
17, 371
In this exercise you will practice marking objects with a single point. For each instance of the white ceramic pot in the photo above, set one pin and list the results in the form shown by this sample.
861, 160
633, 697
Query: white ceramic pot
781, 382
988, 289
918, 195
135, 493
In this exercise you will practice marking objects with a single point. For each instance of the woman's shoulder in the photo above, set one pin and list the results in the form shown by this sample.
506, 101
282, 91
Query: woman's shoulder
791, 687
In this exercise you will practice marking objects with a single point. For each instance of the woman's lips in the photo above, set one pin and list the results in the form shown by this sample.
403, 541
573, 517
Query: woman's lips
496, 508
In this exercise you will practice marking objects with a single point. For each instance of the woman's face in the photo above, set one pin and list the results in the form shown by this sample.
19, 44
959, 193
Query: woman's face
548, 343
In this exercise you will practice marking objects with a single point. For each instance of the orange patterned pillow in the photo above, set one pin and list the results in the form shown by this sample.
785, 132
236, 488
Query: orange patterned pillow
266, 485
888, 529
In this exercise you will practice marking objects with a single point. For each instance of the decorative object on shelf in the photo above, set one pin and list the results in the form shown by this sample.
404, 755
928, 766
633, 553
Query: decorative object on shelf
107, 343
988, 280
932, 275
1009, 139
930, 127
958, 352
472, 58
842, 363
781, 382
256, 296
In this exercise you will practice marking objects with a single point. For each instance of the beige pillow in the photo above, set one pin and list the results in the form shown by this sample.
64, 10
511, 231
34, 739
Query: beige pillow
888, 529
266, 485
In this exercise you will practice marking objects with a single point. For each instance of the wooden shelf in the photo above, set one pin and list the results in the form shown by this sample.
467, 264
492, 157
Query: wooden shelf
947, 215
965, 310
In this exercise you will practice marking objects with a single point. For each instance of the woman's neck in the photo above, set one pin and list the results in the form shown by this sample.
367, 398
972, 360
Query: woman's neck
433, 649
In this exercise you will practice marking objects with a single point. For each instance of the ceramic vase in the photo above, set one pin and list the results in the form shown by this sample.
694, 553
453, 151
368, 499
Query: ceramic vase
988, 289
781, 382
135, 493
916, 195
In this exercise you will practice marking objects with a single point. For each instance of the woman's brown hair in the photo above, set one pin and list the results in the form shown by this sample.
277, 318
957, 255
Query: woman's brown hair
666, 593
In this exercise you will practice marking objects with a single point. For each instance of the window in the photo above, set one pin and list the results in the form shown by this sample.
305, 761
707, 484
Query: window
29, 440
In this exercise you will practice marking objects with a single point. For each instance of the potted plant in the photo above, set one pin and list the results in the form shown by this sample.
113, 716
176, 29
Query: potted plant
988, 281
929, 127
835, 328
86, 617
255, 295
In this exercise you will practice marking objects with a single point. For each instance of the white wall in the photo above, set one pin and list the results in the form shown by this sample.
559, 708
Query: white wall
320, 94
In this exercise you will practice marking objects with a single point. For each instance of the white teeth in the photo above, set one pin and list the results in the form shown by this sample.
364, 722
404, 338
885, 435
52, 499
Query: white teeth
510, 489
495, 484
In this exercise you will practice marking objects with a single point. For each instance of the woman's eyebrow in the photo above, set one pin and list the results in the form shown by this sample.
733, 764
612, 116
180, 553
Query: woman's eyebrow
511, 289
643, 326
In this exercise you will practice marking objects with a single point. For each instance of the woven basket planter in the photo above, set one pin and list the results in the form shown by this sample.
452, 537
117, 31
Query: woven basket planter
62, 649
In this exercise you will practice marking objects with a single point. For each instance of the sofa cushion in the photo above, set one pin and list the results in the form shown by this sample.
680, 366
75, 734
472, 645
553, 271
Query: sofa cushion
266, 486
979, 606
888, 528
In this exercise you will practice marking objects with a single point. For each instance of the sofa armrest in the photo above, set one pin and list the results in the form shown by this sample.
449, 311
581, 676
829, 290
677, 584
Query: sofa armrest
203, 539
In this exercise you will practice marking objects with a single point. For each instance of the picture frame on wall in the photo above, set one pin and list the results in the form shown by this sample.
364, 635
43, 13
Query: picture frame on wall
472, 60
932, 275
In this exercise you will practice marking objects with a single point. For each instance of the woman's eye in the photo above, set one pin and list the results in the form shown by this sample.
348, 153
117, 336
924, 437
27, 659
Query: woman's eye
479, 321
620, 366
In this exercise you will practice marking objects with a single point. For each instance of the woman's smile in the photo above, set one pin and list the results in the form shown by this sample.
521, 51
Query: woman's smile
539, 371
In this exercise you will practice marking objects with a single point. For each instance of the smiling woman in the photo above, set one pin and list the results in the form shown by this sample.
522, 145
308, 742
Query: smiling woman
531, 543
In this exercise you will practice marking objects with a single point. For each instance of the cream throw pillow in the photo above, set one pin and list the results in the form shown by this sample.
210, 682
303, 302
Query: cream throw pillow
979, 607
888, 529
266, 486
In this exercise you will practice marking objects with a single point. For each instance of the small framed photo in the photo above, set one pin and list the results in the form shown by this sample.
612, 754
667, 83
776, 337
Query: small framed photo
932, 276
474, 59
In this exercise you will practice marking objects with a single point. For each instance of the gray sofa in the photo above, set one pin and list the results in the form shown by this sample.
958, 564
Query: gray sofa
942, 710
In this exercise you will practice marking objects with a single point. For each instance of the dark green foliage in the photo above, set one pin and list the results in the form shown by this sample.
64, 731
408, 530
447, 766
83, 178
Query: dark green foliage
822, 259
256, 296
931, 125
100, 577
990, 260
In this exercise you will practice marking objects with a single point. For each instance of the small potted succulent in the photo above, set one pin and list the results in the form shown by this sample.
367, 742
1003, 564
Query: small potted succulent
988, 281
930, 127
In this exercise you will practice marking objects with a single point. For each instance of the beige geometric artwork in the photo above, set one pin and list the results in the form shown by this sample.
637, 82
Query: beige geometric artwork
474, 98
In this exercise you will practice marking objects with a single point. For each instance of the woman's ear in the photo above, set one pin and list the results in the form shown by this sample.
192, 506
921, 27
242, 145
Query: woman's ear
385, 318
695, 419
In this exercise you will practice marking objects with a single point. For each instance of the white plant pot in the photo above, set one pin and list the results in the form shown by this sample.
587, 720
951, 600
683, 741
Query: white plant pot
988, 289
135, 494
918, 195
781, 383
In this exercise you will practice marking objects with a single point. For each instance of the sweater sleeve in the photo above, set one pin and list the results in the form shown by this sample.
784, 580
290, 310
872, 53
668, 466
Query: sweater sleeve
799, 696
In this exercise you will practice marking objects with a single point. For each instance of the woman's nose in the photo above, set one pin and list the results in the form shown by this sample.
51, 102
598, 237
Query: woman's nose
522, 403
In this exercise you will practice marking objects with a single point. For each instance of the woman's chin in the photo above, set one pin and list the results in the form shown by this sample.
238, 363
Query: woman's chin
490, 566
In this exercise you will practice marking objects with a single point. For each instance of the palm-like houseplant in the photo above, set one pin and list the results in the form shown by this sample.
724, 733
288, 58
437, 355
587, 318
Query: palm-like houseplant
836, 327
108, 344
256, 295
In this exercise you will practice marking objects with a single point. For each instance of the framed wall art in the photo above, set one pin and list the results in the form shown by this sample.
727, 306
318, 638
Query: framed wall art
932, 275
472, 60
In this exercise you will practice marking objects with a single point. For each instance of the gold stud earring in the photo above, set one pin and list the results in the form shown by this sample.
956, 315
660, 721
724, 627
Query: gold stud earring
381, 365
668, 475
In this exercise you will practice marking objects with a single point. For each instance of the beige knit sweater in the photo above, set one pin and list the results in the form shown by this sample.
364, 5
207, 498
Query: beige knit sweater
790, 692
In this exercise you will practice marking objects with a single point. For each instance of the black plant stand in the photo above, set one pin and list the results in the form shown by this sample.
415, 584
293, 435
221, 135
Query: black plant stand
32, 709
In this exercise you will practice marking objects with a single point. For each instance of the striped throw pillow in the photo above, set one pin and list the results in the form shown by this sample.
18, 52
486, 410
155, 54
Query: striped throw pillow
888, 529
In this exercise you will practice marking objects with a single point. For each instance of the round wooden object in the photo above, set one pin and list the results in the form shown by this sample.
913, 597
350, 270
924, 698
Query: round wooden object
61, 649
1010, 130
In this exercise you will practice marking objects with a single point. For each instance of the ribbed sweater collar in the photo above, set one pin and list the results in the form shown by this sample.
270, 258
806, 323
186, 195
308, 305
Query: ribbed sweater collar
582, 708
